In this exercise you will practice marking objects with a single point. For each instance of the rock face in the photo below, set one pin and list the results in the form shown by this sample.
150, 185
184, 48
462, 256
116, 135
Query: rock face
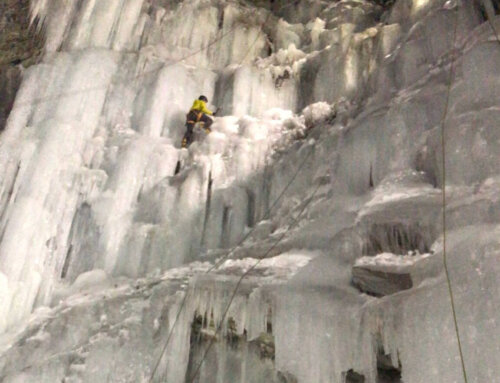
348, 130
20, 45
19, 41
353, 377
10, 79
380, 283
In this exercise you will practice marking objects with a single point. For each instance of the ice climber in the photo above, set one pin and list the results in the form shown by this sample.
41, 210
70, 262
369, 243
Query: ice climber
198, 113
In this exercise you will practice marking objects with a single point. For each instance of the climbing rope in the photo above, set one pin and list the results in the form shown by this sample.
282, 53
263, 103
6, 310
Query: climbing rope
231, 252
249, 233
218, 262
445, 263
246, 273
443, 143
268, 212
443, 164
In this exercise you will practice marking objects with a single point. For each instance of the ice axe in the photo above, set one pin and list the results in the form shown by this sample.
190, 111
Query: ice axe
219, 109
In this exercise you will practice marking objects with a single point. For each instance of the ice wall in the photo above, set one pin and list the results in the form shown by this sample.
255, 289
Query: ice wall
128, 324
92, 215
95, 132
126, 115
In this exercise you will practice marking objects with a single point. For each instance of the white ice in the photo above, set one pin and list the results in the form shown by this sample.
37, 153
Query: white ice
100, 242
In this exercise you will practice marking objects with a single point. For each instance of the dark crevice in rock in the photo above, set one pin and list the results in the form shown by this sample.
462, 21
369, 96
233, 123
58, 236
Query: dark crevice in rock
67, 260
384, 3
278, 82
226, 227
285, 377
177, 167
5, 202
392, 375
386, 372
492, 7
225, 352
264, 346
232, 337
269, 322
352, 376
380, 283
81, 255
427, 161
370, 181
397, 238
10, 80
208, 203
270, 45
266, 193
221, 18
195, 340
250, 208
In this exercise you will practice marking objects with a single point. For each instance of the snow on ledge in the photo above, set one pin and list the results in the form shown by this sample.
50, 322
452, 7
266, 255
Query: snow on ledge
401, 194
282, 266
390, 262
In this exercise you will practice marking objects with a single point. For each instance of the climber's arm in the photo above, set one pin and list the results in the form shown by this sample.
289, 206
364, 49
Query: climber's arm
205, 110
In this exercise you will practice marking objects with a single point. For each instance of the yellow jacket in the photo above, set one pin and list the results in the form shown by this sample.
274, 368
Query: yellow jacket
201, 106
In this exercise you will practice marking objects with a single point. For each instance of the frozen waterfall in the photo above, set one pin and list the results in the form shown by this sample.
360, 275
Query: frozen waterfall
301, 241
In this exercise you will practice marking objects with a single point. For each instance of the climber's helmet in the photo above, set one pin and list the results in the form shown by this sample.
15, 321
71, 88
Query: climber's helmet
203, 98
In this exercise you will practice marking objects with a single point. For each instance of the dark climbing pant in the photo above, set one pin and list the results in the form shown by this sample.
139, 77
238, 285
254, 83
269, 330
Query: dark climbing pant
192, 118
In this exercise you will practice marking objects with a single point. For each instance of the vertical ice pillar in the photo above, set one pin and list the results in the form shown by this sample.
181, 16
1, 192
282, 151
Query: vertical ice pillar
41, 198
343, 68
253, 91
161, 107
89, 23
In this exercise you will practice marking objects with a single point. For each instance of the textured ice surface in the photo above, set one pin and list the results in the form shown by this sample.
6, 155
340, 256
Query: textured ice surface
131, 321
100, 243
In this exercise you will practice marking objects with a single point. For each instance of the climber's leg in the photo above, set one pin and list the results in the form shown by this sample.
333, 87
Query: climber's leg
207, 122
191, 119
188, 137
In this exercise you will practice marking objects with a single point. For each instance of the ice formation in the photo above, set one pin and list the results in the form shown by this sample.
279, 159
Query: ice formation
302, 240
